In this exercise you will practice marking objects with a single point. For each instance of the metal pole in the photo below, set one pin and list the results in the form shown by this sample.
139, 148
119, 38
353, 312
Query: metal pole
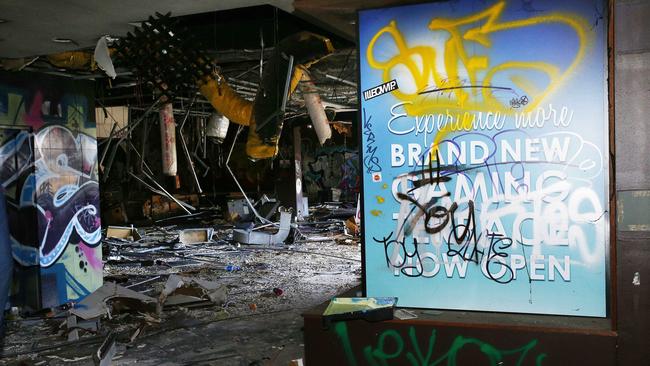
129, 128
182, 204
250, 204
189, 160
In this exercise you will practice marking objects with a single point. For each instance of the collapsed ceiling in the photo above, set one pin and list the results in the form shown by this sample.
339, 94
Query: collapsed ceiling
42, 27
239, 34
240, 59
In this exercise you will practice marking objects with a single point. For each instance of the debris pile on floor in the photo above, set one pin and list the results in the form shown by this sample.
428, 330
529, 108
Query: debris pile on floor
179, 294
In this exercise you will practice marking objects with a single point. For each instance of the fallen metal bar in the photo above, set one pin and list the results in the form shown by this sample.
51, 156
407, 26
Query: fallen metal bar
299, 251
110, 138
189, 160
107, 169
106, 352
185, 149
203, 164
346, 82
40, 350
197, 131
144, 143
152, 189
249, 70
287, 84
149, 250
261, 52
194, 113
183, 205
187, 114
141, 158
204, 135
250, 204
129, 128
143, 282
244, 82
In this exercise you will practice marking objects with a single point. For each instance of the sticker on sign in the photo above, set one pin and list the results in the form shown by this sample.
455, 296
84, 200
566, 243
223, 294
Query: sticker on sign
376, 177
380, 89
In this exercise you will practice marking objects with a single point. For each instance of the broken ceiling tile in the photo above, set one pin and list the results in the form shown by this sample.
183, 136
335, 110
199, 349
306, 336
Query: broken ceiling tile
122, 299
192, 287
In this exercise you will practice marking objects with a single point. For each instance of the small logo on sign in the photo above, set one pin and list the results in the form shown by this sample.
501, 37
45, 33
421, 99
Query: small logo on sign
376, 177
381, 89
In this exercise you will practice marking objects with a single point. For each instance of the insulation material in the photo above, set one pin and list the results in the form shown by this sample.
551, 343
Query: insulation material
168, 140
315, 108
102, 57
217, 126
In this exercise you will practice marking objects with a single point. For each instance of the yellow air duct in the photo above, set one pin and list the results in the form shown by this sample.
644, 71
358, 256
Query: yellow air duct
309, 47
73, 60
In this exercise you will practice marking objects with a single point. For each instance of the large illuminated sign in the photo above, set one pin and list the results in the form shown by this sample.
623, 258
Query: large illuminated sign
485, 155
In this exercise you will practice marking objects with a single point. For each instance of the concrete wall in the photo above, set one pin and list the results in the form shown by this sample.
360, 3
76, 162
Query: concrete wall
632, 135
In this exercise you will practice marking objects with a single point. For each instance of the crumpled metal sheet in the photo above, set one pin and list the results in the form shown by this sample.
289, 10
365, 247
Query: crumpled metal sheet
262, 238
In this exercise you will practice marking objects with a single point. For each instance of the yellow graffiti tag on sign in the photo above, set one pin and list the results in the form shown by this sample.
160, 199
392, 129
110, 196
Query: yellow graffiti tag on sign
466, 79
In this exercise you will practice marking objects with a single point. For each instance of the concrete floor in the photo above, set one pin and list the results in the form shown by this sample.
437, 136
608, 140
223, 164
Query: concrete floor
255, 326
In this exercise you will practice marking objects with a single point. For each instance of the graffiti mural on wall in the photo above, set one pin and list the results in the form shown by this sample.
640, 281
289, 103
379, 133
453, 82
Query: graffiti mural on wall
330, 167
48, 167
484, 150
396, 347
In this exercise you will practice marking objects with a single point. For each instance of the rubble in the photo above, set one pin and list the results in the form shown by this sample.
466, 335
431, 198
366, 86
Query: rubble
195, 236
261, 238
125, 233
97, 304
195, 301
106, 352
182, 290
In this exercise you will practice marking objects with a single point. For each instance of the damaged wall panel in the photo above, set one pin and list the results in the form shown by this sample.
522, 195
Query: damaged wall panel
49, 172
330, 167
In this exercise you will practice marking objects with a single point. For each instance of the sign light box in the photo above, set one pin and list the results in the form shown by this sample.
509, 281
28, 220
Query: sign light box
484, 135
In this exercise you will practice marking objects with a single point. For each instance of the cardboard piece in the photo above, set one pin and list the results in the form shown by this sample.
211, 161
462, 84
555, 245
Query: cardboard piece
121, 232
